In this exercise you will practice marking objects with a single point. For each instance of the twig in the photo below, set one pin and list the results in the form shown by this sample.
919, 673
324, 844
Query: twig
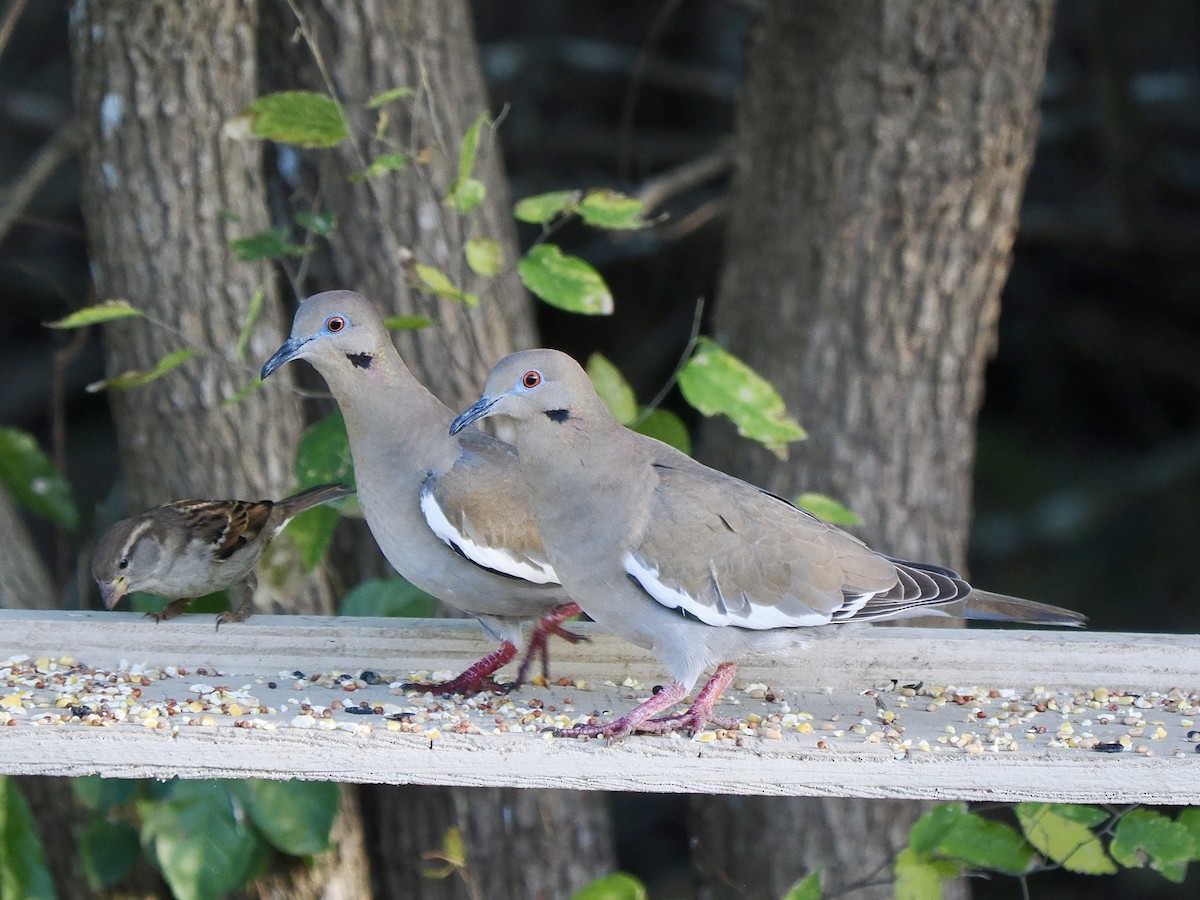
63, 357
683, 358
661, 188
629, 105
65, 144
10, 22
706, 212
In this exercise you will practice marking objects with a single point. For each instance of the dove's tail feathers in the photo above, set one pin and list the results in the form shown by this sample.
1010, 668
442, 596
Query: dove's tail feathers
989, 607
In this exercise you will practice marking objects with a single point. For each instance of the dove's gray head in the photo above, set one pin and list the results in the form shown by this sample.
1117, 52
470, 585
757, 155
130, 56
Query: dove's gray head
337, 331
536, 386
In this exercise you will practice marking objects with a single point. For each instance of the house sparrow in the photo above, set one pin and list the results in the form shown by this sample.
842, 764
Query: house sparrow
188, 548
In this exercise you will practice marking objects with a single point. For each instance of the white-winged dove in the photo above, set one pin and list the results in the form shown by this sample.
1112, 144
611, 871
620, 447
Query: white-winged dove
693, 564
449, 513
188, 548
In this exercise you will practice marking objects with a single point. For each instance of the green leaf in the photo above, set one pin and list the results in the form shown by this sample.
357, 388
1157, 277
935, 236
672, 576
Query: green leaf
715, 381
323, 454
22, 865
108, 852
541, 208
32, 481
386, 97
407, 323
1146, 836
951, 832
381, 165
484, 256
665, 426
302, 118
200, 839
243, 392
827, 508
1190, 819
566, 282
101, 794
273, 244
256, 304
93, 315
1054, 829
808, 888
611, 209
312, 532
437, 282
135, 379
320, 224
1087, 816
387, 597
467, 193
295, 816
613, 389
617, 886
918, 879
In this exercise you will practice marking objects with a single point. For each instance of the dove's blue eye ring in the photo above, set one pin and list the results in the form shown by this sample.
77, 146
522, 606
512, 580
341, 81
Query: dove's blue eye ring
334, 324
531, 379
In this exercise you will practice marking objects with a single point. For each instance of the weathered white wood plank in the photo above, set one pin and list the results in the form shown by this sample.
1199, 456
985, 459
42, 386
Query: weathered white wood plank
778, 757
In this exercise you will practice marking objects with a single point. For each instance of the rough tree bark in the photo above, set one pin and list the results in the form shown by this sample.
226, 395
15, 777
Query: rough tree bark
882, 152
24, 581
518, 843
164, 192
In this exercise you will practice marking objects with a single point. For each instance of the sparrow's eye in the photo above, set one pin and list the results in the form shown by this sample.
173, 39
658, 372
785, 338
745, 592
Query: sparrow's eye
335, 324
124, 563
532, 378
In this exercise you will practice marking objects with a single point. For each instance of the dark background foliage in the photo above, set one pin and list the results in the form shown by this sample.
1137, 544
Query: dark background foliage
1088, 472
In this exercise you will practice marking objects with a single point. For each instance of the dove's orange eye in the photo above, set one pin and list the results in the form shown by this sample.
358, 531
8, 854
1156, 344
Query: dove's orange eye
335, 324
532, 378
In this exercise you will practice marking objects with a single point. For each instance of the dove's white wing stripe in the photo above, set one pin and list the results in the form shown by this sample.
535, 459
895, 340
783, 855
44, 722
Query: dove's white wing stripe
759, 617
498, 559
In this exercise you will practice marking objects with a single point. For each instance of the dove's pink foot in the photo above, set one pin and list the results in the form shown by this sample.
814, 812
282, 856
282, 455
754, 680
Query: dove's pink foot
547, 625
475, 678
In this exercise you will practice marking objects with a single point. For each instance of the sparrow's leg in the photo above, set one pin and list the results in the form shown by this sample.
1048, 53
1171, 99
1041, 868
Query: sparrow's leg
171, 610
245, 608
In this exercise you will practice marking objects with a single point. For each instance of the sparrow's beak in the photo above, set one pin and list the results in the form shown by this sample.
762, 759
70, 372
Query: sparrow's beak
286, 353
112, 591
481, 409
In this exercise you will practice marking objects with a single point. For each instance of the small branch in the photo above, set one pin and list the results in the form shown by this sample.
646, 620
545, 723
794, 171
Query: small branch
658, 190
63, 357
10, 22
683, 358
65, 144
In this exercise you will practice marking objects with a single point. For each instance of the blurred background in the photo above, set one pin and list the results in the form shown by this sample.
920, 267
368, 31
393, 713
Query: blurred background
1087, 488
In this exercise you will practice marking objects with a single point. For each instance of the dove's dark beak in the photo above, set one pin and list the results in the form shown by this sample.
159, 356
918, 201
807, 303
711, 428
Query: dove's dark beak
286, 353
479, 410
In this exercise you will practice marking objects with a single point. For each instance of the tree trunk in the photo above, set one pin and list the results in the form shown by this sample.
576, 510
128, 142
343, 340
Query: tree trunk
882, 153
164, 192
518, 843
24, 581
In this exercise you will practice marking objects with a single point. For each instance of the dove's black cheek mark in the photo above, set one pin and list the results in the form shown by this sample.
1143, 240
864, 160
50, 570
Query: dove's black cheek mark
558, 415
361, 360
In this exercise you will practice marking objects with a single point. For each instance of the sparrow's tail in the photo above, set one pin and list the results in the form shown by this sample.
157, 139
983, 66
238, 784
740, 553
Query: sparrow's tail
989, 607
314, 496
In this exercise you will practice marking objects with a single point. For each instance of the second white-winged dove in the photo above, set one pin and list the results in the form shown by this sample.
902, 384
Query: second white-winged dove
449, 513
693, 564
